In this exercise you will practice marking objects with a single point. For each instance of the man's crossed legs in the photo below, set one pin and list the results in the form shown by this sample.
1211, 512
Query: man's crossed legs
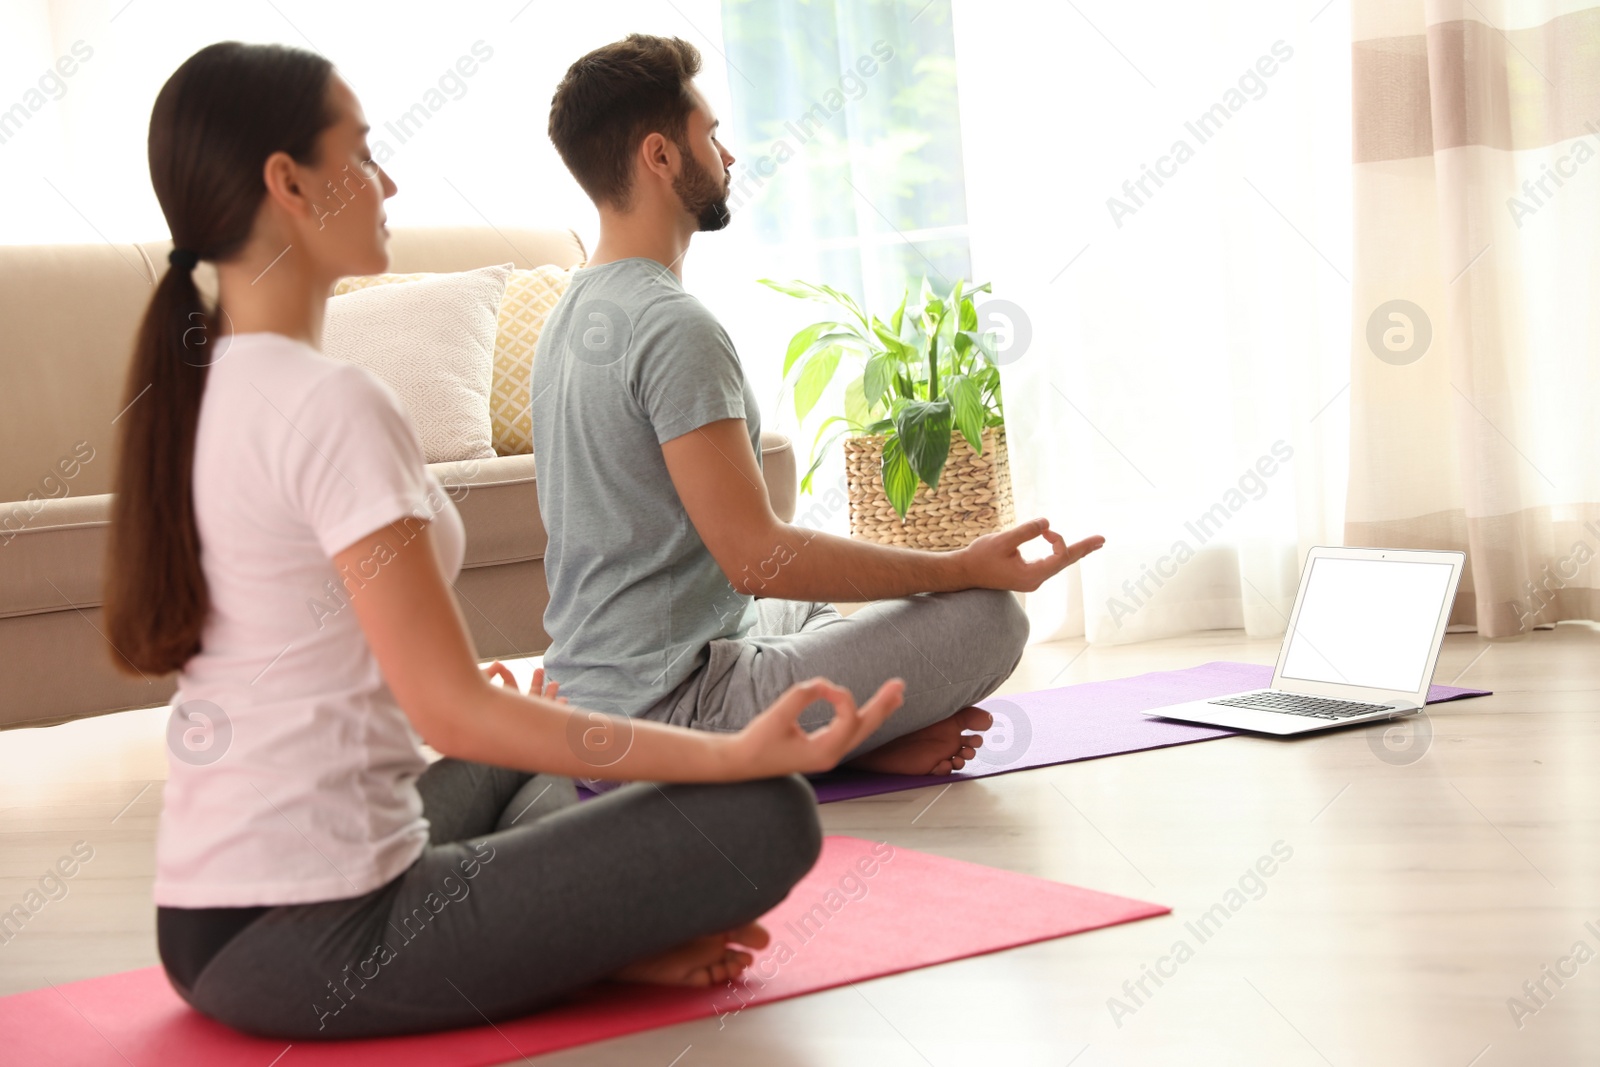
952, 649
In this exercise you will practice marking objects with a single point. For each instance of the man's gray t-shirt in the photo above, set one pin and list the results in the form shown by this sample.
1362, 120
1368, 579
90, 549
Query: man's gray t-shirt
628, 361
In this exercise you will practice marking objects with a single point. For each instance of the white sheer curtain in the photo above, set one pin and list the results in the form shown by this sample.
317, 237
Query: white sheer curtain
74, 169
1166, 197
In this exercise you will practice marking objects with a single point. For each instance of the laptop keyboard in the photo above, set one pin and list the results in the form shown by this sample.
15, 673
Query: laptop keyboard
1295, 704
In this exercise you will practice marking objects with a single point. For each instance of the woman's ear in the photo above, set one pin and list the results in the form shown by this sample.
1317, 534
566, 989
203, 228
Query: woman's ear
283, 178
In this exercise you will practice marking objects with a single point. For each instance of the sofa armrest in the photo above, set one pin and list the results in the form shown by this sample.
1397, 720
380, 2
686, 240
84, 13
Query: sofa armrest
777, 464
499, 505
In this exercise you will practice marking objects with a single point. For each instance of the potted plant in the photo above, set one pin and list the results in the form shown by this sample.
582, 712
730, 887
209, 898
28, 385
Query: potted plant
925, 455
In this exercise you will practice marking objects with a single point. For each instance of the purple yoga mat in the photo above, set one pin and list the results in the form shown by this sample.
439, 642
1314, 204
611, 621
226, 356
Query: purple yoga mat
1079, 722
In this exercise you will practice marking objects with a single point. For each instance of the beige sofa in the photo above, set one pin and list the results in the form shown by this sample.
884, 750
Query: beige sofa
67, 318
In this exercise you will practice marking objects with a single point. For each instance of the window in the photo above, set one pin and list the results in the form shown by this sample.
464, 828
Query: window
850, 170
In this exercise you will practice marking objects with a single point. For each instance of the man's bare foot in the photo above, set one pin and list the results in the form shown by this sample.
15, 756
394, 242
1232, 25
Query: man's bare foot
704, 961
938, 749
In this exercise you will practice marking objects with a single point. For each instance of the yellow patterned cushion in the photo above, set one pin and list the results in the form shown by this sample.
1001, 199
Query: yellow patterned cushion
530, 297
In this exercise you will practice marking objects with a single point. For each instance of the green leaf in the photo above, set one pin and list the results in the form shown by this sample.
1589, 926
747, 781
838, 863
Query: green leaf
819, 450
858, 411
802, 342
962, 343
841, 335
987, 379
816, 464
950, 361
891, 342
923, 428
966, 405
877, 377
969, 314
911, 330
814, 378
795, 289
985, 344
934, 335
844, 299
899, 481
899, 313
827, 422
824, 293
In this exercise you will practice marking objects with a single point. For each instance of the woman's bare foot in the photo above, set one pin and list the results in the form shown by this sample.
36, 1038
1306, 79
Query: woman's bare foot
704, 961
938, 749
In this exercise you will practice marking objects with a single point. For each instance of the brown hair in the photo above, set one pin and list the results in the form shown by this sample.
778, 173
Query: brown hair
612, 99
215, 122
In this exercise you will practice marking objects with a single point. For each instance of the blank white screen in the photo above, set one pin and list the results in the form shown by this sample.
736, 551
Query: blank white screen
1367, 622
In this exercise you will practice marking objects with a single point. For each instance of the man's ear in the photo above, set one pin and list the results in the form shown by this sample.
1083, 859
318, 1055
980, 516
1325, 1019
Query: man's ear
659, 156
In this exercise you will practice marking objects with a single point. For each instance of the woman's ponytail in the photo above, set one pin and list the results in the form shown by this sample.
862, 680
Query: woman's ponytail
155, 592
215, 123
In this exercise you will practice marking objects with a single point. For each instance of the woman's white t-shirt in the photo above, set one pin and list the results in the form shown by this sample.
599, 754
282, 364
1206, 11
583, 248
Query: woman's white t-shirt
292, 770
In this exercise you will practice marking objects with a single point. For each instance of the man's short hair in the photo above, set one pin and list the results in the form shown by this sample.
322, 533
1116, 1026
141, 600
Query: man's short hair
613, 98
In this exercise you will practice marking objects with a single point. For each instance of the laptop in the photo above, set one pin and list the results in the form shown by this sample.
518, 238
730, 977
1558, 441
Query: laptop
1361, 645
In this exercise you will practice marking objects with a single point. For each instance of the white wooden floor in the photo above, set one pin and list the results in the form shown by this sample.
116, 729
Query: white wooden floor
1420, 896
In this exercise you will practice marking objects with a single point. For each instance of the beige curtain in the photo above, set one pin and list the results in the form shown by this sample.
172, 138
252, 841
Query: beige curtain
1476, 368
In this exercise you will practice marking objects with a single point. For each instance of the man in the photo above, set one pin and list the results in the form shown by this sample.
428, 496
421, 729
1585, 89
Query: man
648, 438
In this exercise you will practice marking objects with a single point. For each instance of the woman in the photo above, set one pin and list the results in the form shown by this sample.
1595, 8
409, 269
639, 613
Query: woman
319, 879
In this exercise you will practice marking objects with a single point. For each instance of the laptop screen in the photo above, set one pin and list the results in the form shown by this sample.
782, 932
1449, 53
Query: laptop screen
1367, 622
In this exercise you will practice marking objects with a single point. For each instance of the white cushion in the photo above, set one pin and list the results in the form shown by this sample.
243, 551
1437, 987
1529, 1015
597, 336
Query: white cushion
432, 342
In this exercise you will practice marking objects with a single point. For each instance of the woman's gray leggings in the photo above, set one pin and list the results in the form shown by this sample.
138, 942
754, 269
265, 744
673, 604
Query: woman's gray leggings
521, 897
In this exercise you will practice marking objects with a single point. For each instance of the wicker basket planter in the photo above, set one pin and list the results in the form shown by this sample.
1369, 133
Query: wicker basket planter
973, 498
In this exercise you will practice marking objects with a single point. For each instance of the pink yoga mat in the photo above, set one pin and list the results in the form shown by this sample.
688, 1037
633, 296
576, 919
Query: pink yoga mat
1079, 722
866, 910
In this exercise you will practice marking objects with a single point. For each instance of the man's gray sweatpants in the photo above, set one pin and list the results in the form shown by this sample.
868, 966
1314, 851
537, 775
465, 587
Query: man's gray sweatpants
952, 649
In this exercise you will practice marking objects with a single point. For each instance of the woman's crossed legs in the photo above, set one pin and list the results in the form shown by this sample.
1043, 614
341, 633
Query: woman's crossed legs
521, 897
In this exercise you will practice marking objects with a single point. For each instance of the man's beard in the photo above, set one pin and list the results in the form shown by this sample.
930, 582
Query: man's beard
702, 196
